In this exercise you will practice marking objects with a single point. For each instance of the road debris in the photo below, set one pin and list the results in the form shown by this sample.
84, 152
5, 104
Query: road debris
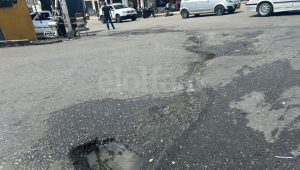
150, 160
283, 157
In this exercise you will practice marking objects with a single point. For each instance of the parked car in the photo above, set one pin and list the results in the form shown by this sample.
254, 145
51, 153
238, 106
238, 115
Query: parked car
119, 12
40, 21
195, 7
267, 7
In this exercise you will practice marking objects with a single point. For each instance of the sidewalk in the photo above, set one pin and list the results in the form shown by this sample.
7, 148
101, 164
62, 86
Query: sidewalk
93, 19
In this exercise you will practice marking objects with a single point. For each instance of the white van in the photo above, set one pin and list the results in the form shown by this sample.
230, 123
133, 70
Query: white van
195, 7
267, 7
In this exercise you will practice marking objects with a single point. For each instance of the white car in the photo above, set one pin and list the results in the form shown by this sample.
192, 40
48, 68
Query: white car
195, 7
119, 12
40, 21
267, 7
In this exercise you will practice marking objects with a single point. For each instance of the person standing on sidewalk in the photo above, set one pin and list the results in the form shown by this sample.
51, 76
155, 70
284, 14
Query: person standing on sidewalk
107, 15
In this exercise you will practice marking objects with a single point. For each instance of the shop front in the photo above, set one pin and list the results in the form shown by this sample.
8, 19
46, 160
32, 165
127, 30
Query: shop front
160, 3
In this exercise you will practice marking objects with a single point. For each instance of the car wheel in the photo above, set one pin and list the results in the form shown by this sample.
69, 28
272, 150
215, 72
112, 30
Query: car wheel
118, 18
184, 13
102, 20
219, 10
265, 9
197, 15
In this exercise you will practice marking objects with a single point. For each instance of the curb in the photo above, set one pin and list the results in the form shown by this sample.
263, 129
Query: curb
14, 43
45, 42
93, 19
18, 43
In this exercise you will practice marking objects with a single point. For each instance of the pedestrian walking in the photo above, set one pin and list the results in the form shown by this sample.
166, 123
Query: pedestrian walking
152, 9
107, 15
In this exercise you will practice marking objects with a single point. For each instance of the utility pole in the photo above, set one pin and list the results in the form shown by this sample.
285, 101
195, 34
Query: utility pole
34, 5
66, 18
56, 5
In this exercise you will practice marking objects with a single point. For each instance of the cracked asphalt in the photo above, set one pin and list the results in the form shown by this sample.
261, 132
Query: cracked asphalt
208, 92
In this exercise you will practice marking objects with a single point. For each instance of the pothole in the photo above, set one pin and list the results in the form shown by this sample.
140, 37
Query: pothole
209, 56
113, 156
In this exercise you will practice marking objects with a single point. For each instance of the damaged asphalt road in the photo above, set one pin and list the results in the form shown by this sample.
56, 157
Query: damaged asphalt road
245, 124
178, 98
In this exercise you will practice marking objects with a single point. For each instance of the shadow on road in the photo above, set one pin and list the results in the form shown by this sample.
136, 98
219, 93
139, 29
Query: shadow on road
213, 14
281, 14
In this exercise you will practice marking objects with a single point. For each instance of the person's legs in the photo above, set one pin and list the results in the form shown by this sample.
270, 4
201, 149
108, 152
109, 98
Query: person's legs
106, 20
111, 22
153, 13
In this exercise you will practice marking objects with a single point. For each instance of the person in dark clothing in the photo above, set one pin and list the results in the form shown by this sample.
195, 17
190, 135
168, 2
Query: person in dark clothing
152, 9
107, 15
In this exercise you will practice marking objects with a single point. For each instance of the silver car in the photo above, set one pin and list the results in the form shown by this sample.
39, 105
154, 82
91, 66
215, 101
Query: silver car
196, 7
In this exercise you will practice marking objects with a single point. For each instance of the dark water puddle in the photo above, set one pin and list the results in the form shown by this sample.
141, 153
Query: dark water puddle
113, 156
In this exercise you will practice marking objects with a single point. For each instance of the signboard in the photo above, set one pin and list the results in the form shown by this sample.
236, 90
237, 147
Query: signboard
5, 3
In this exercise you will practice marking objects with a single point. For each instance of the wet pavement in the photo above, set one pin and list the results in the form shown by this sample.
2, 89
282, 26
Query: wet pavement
114, 156
157, 95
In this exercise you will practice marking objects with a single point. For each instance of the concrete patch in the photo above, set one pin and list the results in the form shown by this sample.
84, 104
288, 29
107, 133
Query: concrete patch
265, 117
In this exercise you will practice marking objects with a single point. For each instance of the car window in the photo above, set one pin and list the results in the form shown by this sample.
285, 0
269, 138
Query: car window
120, 6
45, 16
42, 16
33, 15
111, 7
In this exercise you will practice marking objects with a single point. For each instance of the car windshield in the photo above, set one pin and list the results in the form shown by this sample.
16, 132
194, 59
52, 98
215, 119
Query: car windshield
120, 6
33, 15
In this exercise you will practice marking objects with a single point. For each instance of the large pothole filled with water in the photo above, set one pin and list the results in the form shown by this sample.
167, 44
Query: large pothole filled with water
113, 156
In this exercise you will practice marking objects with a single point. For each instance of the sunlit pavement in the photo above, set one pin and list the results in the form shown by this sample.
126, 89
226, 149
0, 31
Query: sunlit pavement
208, 92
